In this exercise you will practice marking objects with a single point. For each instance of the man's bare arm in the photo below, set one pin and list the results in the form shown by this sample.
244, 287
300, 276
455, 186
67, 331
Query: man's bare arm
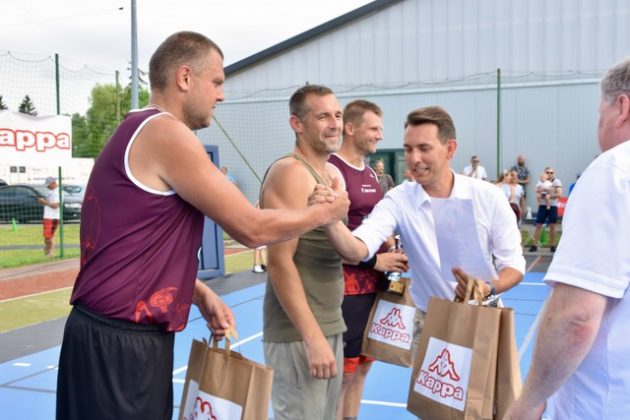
288, 186
570, 325
167, 155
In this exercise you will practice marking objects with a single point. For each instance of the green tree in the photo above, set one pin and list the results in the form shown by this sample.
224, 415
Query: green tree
109, 104
27, 106
2, 104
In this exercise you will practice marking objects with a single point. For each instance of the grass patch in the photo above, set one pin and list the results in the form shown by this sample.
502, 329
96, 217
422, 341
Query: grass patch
29, 243
31, 310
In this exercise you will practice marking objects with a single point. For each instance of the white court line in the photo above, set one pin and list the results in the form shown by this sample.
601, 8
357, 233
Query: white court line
531, 332
384, 403
233, 346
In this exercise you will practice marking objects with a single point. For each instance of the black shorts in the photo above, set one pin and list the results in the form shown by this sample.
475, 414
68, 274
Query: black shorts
112, 369
356, 311
551, 215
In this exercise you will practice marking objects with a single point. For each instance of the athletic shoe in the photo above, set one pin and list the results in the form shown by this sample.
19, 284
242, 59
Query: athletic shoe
552, 248
258, 269
533, 248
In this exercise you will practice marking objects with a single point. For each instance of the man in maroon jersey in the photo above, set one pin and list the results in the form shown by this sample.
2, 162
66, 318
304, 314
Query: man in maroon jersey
362, 130
141, 229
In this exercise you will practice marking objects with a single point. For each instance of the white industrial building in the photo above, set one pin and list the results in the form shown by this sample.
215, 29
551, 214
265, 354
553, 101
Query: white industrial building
404, 54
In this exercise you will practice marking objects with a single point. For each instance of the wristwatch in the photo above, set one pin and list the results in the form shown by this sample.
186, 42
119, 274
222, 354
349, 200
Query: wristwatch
493, 290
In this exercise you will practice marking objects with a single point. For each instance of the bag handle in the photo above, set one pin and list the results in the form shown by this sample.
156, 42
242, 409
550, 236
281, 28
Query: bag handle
474, 292
230, 334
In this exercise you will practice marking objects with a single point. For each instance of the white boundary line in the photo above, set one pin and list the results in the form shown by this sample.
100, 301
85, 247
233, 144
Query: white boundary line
384, 403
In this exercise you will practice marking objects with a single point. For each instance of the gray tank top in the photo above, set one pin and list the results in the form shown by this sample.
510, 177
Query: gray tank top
319, 267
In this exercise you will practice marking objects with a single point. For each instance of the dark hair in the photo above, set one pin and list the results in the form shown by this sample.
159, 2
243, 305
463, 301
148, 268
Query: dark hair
176, 50
433, 115
354, 111
297, 103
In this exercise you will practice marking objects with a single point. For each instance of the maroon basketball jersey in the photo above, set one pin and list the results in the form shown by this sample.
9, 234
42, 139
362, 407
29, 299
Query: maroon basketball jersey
138, 246
364, 192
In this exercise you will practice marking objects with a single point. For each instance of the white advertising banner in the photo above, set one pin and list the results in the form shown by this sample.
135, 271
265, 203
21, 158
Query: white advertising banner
29, 140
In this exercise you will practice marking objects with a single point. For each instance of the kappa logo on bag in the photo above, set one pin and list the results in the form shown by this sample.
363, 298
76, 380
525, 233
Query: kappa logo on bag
443, 376
203, 406
392, 324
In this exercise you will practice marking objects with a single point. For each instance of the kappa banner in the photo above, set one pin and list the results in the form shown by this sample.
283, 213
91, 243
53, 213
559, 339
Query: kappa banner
443, 376
393, 324
25, 139
203, 406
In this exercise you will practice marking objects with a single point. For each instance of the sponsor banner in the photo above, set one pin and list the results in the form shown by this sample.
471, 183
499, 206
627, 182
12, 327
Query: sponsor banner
393, 324
203, 406
28, 140
443, 376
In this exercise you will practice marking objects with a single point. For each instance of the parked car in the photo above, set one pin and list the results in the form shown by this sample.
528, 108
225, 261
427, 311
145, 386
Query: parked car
75, 190
19, 202
3, 182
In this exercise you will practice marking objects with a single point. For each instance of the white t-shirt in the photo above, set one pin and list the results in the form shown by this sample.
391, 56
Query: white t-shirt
408, 209
479, 173
594, 254
550, 188
518, 192
53, 197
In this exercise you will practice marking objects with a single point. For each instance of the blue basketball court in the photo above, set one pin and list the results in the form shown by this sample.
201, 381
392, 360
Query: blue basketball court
28, 383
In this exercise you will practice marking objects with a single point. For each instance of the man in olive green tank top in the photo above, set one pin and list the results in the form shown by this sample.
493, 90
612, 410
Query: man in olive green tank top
302, 321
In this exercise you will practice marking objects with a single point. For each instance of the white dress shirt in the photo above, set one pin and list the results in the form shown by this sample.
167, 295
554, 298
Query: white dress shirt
407, 209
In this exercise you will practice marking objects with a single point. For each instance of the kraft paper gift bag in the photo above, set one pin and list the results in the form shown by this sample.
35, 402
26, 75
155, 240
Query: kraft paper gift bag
455, 370
388, 335
509, 383
222, 384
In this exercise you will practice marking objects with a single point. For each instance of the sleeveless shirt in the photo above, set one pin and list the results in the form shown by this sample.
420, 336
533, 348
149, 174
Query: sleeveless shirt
138, 245
319, 268
364, 191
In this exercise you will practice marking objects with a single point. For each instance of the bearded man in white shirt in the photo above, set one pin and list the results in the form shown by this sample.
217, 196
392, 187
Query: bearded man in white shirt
482, 237
580, 359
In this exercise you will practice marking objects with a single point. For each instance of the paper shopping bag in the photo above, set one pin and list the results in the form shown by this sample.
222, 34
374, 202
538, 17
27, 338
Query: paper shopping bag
455, 368
388, 335
222, 384
508, 383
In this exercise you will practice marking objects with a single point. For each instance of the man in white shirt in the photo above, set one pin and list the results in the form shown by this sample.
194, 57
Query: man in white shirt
580, 359
470, 222
475, 170
51, 215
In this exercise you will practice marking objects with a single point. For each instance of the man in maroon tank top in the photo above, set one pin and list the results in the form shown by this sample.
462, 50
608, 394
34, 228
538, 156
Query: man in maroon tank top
362, 130
141, 229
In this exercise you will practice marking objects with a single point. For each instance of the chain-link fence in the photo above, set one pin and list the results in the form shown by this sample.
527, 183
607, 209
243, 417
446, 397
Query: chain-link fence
83, 105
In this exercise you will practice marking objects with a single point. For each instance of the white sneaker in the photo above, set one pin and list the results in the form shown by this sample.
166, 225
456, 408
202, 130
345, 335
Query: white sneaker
258, 269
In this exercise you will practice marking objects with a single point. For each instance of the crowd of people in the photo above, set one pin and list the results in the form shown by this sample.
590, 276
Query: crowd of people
328, 220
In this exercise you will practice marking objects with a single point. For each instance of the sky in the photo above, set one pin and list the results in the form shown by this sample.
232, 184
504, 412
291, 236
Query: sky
97, 34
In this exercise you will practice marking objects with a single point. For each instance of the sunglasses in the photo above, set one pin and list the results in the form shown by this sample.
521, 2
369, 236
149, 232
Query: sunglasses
549, 172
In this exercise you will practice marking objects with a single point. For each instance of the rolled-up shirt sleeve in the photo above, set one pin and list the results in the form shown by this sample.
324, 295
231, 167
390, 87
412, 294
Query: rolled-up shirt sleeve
378, 226
506, 238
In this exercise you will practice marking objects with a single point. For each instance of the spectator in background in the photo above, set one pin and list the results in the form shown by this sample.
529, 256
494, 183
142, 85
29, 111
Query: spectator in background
577, 177
475, 170
260, 254
523, 177
548, 213
51, 215
580, 364
514, 193
408, 176
385, 180
224, 171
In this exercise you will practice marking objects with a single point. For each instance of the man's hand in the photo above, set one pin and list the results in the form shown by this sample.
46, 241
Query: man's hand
217, 314
392, 261
321, 194
41, 201
462, 282
321, 359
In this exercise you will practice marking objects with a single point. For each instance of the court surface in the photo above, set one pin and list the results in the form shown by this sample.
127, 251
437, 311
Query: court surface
28, 383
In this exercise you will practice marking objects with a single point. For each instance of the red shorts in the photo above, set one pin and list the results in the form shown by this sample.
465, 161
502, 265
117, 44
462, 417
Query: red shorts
350, 364
50, 227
